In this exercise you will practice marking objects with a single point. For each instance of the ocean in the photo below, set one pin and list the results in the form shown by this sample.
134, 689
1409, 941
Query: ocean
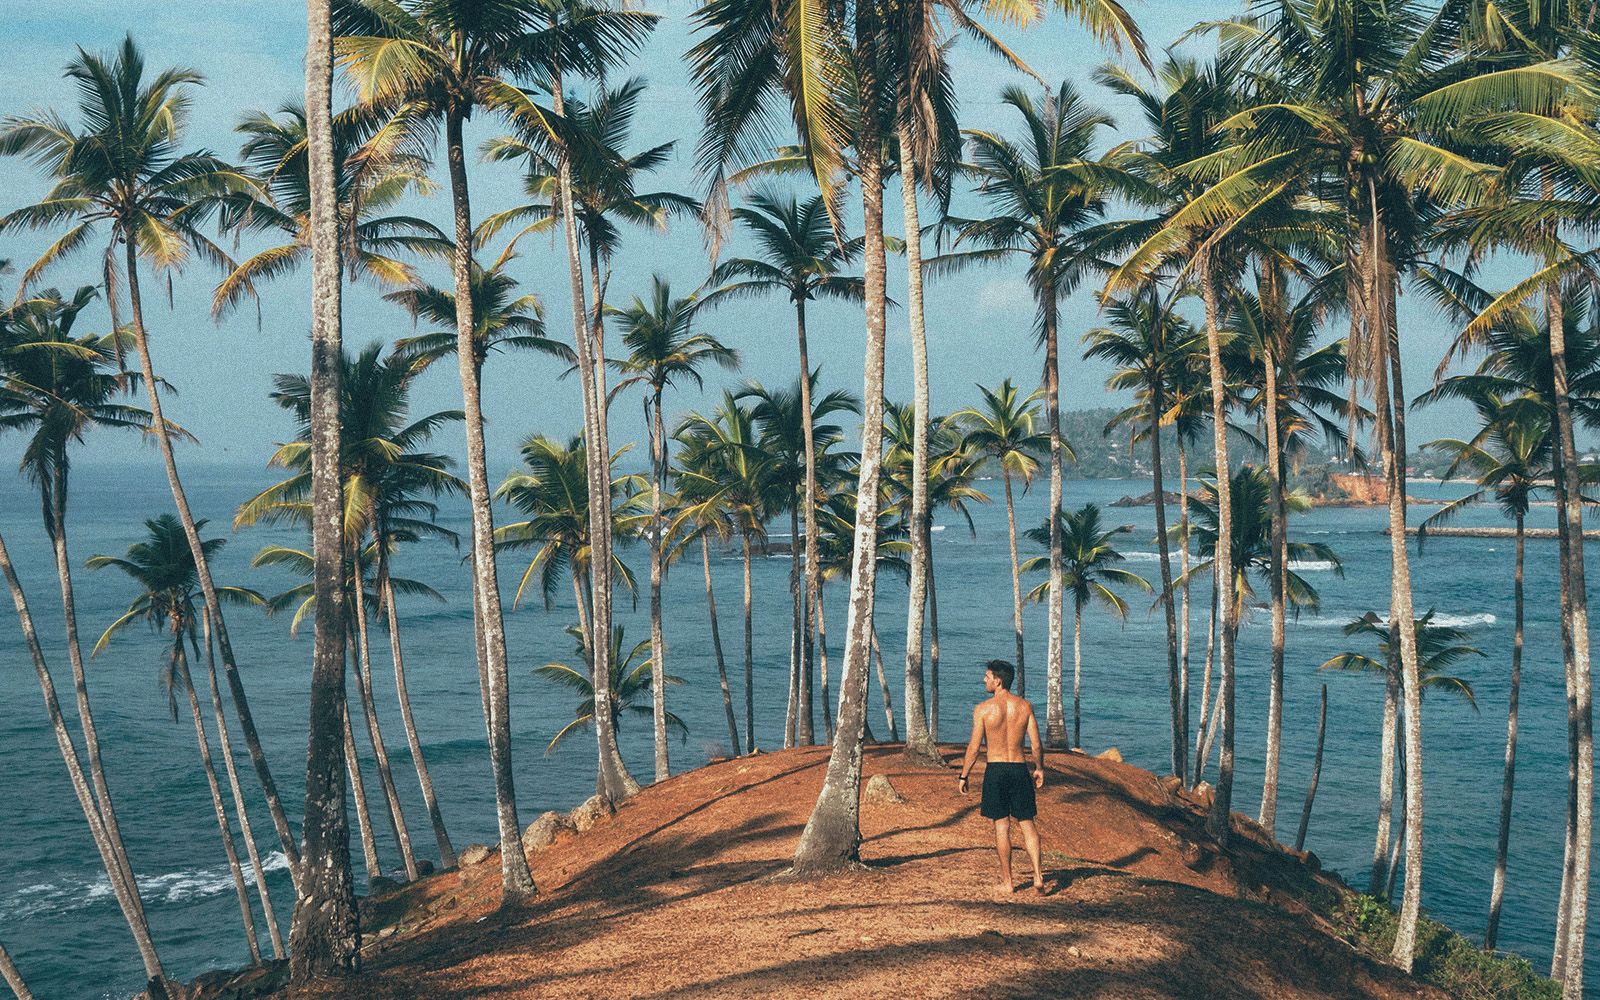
61, 924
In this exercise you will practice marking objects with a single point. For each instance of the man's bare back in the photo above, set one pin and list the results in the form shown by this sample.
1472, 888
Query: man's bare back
1000, 724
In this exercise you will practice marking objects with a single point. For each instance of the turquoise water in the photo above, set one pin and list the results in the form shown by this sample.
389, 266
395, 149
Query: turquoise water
61, 924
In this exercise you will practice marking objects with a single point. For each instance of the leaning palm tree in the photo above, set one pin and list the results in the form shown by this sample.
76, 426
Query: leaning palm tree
1003, 428
1510, 457
370, 180
391, 487
1090, 559
1045, 190
436, 64
126, 171
1150, 344
161, 566
663, 350
801, 257
631, 679
107, 840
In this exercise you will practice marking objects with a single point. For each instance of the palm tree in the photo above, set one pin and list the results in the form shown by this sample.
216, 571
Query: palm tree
629, 681
164, 570
800, 256
1439, 648
1150, 344
954, 468
431, 63
1046, 191
391, 486
1090, 559
373, 173
502, 319
786, 427
17, 409
1510, 456
740, 474
1003, 429
126, 170
663, 349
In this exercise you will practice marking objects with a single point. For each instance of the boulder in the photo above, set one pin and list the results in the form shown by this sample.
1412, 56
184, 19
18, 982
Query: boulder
880, 790
542, 832
1110, 753
584, 818
425, 868
382, 885
476, 854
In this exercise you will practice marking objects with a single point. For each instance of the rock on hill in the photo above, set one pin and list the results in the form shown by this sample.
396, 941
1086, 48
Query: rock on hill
681, 894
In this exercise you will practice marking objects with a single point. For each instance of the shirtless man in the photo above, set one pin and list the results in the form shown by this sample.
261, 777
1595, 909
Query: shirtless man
1001, 722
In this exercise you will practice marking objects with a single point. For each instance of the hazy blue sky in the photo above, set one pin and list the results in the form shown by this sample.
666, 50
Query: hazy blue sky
979, 324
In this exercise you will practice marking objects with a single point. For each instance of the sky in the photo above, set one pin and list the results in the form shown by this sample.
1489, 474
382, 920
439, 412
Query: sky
980, 323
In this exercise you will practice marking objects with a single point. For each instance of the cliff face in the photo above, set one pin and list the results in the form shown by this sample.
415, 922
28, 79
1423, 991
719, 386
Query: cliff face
1360, 489
682, 894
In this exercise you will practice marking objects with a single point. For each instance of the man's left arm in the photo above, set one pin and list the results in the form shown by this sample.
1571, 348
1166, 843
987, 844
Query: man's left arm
973, 744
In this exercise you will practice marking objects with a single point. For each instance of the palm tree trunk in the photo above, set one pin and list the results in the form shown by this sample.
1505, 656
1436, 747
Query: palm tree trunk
13, 977
361, 668
658, 647
1268, 817
125, 890
1386, 763
749, 660
223, 826
55, 513
1077, 675
257, 871
716, 648
1183, 574
208, 588
516, 881
324, 934
813, 571
1558, 952
802, 717
1219, 823
615, 782
1016, 583
933, 650
358, 788
829, 710
832, 836
883, 685
1174, 689
1316, 773
1055, 719
1576, 614
441, 837
1202, 736
919, 741
1502, 845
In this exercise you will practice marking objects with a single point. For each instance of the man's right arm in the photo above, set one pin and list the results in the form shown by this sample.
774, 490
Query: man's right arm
1038, 748
973, 744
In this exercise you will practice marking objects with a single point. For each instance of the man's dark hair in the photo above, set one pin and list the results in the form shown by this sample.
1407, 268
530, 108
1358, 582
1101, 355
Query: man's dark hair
1003, 672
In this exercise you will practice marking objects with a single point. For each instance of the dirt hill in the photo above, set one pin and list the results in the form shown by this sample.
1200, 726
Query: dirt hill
680, 895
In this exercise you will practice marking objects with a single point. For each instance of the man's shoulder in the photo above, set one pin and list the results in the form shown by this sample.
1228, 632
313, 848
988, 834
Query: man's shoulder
1025, 704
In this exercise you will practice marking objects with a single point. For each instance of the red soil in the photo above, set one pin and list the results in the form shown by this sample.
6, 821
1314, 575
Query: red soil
680, 895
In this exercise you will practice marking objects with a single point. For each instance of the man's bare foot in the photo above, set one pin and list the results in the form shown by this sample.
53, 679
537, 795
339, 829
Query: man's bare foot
1005, 887
1038, 884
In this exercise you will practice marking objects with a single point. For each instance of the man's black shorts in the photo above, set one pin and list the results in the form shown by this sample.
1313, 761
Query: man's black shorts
1008, 791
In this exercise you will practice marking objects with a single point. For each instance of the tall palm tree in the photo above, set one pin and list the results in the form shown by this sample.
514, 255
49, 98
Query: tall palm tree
553, 493
1510, 457
740, 474
1003, 428
391, 485
1046, 190
18, 409
438, 64
631, 677
325, 934
1090, 557
801, 257
373, 173
663, 350
126, 171
164, 570
786, 427
1149, 344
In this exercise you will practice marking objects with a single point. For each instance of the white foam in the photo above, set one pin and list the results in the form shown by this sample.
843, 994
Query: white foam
1313, 565
1341, 619
169, 887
